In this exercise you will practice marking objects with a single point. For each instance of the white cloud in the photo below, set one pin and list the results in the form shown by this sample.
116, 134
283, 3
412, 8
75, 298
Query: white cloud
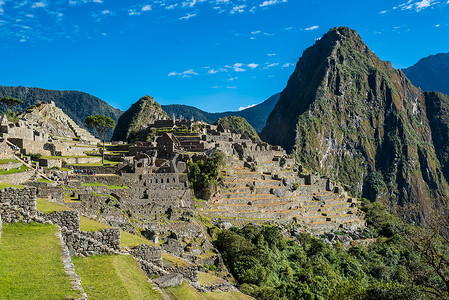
252, 65
38, 4
270, 65
233, 78
417, 6
438, 25
271, 2
246, 107
238, 67
212, 71
188, 16
239, 9
271, 54
286, 65
133, 12
255, 32
187, 73
312, 28
383, 12
106, 12
146, 8
171, 6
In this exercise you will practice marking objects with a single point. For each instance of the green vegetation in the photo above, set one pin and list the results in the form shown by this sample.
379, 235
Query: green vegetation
184, 291
46, 206
231, 295
399, 264
4, 185
20, 169
102, 125
138, 117
239, 125
31, 265
87, 224
10, 102
7, 161
171, 260
128, 240
208, 279
113, 277
44, 180
204, 174
112, 187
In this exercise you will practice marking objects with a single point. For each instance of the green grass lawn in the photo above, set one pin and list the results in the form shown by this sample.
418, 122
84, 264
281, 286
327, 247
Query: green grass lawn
128, 240
31, 265
208, 279
44, 180
184, 291
112, 187
87, 224
232, 295
7, 161
113, 277
20, 169
46, 206
8, 185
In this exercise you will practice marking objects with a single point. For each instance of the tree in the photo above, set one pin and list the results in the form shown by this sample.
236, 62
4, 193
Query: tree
102, 125
10, 102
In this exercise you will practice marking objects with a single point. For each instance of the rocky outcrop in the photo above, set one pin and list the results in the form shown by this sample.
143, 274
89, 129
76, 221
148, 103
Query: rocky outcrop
138, 117
349, 115
239, 125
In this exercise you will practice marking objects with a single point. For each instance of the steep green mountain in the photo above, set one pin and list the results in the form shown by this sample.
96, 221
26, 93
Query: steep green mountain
239, 125
347, 114
77, 105
141, 114
256, 115
431, 73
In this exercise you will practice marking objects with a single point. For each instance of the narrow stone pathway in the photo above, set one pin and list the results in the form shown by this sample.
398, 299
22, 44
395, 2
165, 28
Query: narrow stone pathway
69, 268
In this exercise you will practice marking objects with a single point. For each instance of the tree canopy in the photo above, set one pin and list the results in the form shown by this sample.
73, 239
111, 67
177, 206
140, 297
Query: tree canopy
11, 101
101, 124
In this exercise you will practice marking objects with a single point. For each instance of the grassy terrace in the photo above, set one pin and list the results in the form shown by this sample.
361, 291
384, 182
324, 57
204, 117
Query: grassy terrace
112, 187
184, 291
8, 185
113, 277
232, 295
7, 161
21, 169
30, 263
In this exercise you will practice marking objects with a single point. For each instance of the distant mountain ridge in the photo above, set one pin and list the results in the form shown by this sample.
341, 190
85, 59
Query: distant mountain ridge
77, 105
256, 115
430, 73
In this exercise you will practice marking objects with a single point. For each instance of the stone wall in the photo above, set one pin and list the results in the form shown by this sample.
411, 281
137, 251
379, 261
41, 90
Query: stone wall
98, 169
10, 165
0, 225
190, 273
17, 178
81, 243
148, 253
18, 205
67, 220
108, 180
55, 194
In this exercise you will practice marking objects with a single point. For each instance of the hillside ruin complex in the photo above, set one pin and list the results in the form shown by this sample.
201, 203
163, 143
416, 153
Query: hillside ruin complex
144, 188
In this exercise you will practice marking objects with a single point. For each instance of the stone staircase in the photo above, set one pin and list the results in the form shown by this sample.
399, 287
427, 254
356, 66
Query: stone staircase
82, 133
273, 193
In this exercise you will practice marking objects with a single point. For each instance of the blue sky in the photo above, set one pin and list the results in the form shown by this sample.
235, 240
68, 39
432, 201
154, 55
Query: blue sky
216, 55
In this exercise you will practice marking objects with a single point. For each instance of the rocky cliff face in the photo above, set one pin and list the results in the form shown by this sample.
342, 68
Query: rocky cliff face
347, 114
141, 114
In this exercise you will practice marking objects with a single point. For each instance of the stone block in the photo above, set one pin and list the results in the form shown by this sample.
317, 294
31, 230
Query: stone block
169, 280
